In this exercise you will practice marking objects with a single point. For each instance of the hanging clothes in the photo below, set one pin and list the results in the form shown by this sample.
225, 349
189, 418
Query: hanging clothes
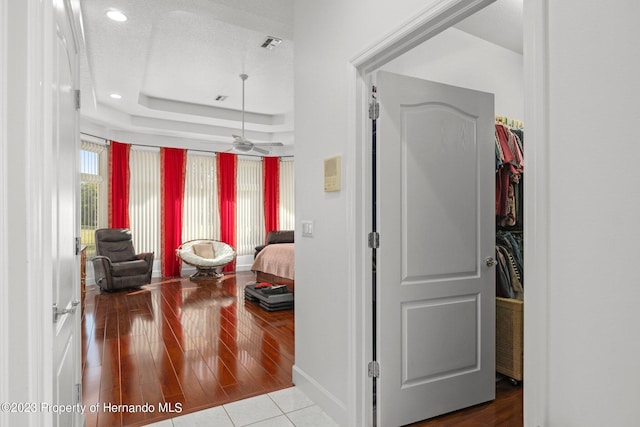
510, 274
509, 169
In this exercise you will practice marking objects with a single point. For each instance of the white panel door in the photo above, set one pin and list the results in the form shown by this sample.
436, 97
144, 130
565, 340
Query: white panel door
66, 271
436, 293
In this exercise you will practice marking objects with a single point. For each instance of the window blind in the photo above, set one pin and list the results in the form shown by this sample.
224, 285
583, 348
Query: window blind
287, 195
249, 206
200, 217
144, 200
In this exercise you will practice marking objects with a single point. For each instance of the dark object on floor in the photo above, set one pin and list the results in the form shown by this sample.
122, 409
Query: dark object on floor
117, 266
272, 298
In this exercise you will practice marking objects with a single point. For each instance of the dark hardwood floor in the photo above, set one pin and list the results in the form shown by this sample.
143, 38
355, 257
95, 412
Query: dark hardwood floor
197, 344
504, 411
200, 344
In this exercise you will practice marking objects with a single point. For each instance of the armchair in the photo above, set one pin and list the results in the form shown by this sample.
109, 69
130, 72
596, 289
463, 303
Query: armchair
116, 265
207, 256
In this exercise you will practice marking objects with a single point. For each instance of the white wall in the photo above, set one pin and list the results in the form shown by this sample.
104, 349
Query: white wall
594, 206
329, 35
448, 58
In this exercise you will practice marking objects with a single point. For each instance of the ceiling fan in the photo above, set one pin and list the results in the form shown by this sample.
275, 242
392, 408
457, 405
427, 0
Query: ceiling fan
242, 144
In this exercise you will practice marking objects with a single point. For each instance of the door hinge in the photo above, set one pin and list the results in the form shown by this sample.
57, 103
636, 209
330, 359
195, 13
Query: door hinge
78, 244
374, 110
59, 312
78, 396
77, 98
374, 369
374, 240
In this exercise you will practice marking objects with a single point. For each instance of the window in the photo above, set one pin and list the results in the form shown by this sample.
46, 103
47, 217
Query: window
200, 216
249, 206
93, 192
144, 199
287, 195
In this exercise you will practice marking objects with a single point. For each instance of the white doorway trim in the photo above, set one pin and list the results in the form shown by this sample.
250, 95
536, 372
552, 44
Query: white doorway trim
536, 213
4, 226
26, 334
423, 26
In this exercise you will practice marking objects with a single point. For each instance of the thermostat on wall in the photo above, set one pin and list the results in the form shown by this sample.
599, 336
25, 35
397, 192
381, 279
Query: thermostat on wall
332, 174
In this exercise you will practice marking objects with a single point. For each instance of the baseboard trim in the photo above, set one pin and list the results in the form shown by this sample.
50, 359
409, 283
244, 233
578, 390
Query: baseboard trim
329, 403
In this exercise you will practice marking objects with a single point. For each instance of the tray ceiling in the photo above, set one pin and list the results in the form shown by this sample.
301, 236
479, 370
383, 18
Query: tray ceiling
172, 58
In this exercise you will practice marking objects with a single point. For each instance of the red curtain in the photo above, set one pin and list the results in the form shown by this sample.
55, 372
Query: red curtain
172, 167
227, 173
271, 175
119, 185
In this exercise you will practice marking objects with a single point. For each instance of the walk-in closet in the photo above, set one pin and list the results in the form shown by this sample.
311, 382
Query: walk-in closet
509, 140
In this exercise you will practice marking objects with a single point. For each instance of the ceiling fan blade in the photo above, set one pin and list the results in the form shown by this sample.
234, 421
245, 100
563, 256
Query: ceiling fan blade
269, 144
261, 150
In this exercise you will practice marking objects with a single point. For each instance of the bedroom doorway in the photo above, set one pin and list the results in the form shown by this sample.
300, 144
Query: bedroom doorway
380, 61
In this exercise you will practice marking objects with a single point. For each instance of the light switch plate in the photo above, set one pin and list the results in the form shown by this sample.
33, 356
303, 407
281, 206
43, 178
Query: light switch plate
307, 228
332, 173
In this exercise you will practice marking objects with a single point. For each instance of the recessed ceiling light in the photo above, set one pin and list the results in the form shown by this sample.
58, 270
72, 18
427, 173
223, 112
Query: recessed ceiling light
115, 96
271, 42
116, 15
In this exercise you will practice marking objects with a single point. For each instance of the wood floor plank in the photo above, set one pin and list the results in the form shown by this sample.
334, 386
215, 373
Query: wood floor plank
504, 411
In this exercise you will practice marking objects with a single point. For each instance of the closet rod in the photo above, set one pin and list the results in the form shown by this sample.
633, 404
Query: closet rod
107, 141
513, 123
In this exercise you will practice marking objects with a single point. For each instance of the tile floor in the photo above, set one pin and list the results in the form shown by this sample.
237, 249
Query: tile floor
283, 408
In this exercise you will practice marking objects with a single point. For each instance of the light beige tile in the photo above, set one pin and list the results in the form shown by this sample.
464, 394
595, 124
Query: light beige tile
281, 421
163, 423
290, 399
209, 417
254, 409
311, 417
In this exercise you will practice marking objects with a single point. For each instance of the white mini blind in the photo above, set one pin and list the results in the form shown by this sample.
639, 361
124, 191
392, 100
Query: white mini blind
200, 215
249, 206
287, 195
144, 199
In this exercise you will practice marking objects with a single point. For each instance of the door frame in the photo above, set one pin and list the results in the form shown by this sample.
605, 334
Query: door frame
4, 225
421, 27
26, 121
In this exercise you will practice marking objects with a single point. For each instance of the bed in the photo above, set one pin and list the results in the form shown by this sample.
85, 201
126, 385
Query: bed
275, 264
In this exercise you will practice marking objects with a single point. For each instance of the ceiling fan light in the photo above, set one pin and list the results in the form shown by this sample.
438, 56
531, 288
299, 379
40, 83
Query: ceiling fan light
116, 15
271, 42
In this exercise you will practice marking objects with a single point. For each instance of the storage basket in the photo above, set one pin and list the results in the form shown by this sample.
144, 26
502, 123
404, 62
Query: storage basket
509, 337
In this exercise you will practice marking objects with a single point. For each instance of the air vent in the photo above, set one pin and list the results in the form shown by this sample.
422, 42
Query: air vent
271, 42
221, 97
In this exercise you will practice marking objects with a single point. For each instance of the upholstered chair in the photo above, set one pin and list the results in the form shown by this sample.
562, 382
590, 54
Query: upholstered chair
117, 266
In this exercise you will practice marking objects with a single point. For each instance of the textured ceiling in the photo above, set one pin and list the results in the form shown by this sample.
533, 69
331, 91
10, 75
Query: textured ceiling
171, 59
